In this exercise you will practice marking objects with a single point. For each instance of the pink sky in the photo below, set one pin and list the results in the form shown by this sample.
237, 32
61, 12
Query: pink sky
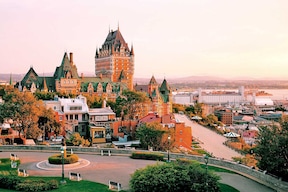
227, 38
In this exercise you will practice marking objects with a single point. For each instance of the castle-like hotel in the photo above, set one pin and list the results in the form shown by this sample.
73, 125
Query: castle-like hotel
114, 72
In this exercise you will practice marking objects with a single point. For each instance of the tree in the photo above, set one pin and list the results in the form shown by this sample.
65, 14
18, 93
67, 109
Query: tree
272, 148
130, 102
211, 119
77, 140
177, 107
198, 109
150, 135
93, 101
24, 110
44, 95
170, 177
48, 122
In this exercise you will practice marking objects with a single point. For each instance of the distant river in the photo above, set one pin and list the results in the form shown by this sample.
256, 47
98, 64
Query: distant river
277, 94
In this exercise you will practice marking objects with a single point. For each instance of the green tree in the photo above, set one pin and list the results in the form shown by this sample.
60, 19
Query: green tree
211, 119
198, 109
190, 109
39, 95
272, 149
170, 177
130, 102
177, 107
150, 135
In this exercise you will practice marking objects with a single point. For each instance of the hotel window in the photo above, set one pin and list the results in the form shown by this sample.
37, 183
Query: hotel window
181, 132
76, 116
71, 117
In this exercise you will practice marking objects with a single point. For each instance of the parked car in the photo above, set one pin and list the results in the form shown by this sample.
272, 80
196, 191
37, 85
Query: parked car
57, 139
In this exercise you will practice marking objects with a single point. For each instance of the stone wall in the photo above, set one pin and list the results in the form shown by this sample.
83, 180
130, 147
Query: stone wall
259, 176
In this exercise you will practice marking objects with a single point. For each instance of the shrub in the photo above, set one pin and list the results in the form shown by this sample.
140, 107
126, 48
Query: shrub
173, 177
36, 185
147, 156
9, 182
57, 159
184, 161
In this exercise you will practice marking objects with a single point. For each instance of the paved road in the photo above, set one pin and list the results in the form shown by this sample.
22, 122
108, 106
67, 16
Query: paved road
117, 168
211, 141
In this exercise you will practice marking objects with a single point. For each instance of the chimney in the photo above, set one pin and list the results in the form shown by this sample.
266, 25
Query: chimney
71, 58
82, 75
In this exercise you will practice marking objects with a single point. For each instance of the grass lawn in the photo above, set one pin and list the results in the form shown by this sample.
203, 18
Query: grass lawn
227, 188
71, 186
217, 169
87, 186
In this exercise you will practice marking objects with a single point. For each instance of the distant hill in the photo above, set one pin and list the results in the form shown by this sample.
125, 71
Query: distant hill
191, 81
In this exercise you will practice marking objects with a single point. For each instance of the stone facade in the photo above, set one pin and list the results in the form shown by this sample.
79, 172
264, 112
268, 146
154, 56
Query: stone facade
114, 60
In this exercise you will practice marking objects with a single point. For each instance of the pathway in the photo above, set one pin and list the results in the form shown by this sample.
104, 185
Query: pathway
210, 140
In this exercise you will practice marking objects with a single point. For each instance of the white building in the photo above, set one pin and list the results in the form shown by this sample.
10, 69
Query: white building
184, 98
221, 97
75, 111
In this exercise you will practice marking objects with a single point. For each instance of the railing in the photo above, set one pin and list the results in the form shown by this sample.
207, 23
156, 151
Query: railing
259, 176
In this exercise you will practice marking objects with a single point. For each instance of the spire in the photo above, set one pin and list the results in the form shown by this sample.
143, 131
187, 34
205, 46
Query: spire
96, 54
10, 81
153, 81
45, 89
118, 26
132, 50
164, 87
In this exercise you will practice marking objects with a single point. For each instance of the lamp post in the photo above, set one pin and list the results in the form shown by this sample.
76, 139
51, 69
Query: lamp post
169, 148
206, 176
62, 156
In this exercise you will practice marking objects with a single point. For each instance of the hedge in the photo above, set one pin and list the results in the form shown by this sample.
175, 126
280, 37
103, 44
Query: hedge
57, 159
15, 183
147, 156
37, 185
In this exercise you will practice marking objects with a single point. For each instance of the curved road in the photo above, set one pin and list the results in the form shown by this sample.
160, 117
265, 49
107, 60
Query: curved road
210, 141
117, 168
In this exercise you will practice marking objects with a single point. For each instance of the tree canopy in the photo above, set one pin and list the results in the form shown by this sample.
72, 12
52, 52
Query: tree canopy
174, 176
131, 103
151, 135
272, 149
23, 110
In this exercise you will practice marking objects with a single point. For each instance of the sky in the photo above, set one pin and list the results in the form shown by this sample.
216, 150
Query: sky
171, 38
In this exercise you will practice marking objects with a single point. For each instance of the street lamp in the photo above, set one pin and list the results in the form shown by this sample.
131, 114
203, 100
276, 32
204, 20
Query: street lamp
206, 158
169, 148
62, 156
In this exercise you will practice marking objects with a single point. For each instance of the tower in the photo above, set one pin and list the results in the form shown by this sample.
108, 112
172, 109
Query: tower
114, 60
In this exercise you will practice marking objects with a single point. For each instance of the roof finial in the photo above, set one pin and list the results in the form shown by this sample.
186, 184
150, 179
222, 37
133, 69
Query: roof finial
109, 29
118, 26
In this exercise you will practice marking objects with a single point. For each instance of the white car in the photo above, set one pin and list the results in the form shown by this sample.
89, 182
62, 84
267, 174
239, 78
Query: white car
57, 138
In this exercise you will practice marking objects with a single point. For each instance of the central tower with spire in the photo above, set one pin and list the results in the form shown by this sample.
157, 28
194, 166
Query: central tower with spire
114, 60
